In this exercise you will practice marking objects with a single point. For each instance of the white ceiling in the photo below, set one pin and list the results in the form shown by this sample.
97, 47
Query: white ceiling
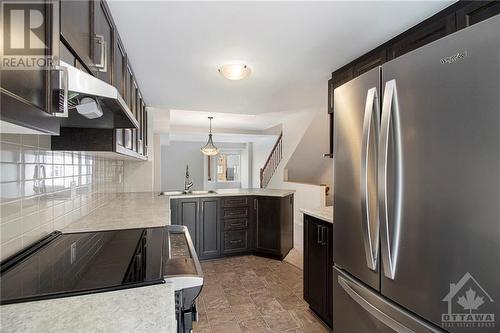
241, 121
220, 137
291, 47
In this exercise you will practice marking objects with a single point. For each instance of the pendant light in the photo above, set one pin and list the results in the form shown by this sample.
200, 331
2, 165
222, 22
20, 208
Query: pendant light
209, 149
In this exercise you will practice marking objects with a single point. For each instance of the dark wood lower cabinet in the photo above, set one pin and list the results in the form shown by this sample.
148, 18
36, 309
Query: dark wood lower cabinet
273, 226
267, 225
187, 213
209, 233
318, 267
237, 225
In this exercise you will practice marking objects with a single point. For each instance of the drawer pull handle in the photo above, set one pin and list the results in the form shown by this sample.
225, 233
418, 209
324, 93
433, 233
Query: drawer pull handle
235, 241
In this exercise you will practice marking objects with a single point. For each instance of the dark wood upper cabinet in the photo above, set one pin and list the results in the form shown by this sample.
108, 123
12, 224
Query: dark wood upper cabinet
102, 42
341, 76
330, 96
421, 35
476, 11
369, 61
457, 16
29, 97
145, 142
129, 79
76, 28
119, 65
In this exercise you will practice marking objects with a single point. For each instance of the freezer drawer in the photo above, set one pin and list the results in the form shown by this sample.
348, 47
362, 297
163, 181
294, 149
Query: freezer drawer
358, 309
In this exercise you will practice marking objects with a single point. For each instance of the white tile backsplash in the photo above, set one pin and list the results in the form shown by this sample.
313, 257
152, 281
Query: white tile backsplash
42, 191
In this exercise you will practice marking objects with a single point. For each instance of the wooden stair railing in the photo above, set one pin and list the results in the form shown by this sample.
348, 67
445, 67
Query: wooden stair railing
272, 162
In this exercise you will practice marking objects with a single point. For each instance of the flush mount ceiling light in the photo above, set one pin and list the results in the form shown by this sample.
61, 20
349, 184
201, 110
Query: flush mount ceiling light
210, 149
234, 71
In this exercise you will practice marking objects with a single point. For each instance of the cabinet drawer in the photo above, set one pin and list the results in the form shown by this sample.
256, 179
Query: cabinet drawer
235, 224
235, 202
235, 241
237, 212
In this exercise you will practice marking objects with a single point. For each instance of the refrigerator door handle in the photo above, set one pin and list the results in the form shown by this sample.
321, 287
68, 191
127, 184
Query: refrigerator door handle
390, 112
371, 309
371, 119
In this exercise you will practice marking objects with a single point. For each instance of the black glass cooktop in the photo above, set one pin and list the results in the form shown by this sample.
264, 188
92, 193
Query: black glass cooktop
80, 263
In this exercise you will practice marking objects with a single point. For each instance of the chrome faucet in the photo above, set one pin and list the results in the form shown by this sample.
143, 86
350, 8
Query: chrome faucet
187, 182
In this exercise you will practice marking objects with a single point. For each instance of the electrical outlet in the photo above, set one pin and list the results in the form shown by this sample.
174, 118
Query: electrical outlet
73, 189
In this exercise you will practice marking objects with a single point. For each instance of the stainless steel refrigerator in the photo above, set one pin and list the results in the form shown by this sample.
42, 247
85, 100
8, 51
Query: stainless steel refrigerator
417, 190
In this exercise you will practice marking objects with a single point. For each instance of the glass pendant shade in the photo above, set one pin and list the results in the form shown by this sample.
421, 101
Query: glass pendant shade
210, 149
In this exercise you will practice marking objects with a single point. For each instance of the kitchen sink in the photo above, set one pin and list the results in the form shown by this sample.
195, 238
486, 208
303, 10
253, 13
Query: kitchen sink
202, 192
187, 192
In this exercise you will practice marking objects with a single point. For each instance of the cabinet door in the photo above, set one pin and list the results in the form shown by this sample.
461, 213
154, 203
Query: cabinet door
119, 140
421, 35
76, 28
187, 214
371, 60
28, 97
145, 129
341, 76
209, 229
328, 238
127, 138
476, 11
267, 225
129, 79
119, 66
330, 96
315, 265
103, 41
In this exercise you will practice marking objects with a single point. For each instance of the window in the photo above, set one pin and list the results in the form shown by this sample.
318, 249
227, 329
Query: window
228, 167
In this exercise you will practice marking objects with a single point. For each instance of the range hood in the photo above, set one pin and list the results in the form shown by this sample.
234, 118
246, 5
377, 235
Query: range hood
77, 88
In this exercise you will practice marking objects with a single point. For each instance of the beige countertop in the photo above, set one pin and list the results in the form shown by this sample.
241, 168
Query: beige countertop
324, 213
126, 211
144, 309
237, 192
147, 209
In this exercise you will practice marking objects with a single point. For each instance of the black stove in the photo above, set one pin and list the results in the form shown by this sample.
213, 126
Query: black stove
77, 263
73, 264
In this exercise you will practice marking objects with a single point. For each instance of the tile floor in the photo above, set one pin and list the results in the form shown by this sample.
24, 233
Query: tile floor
254, 294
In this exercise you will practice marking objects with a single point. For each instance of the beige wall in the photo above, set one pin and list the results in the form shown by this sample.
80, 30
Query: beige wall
42, 191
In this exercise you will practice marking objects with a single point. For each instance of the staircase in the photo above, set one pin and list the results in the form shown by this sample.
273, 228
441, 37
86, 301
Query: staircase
272, 162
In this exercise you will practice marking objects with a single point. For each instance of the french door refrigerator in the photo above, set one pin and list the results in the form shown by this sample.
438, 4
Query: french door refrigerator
417, 190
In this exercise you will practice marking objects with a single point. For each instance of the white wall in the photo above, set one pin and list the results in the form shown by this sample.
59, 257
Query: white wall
294, 126
177, 154
174, 158
307, 164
